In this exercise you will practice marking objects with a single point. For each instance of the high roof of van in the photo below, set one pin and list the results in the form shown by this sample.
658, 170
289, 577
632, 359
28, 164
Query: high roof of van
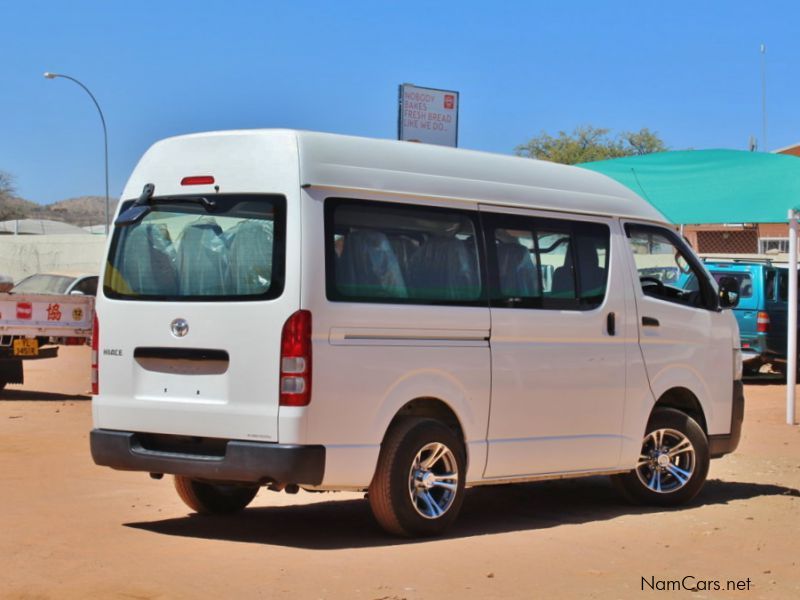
347, 163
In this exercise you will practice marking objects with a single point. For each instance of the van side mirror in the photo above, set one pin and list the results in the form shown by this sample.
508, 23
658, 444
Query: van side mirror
728, 292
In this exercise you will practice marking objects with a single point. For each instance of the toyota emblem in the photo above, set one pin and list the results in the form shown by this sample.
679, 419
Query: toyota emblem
179, 327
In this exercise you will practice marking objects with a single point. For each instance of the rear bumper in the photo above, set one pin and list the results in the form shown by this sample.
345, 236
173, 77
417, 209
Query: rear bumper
238, 461
749, 357
720, 445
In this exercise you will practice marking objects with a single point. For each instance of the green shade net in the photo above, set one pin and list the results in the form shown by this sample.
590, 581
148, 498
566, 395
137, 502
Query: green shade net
711, 186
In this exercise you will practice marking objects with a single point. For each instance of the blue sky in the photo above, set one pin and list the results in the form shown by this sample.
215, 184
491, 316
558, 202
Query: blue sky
688, 70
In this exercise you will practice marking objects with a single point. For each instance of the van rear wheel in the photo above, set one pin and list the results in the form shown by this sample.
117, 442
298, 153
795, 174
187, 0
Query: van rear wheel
209, 498
672, 464
418, 486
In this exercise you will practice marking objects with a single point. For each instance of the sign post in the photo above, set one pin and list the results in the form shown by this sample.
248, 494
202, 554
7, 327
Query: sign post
791, 334
428, 115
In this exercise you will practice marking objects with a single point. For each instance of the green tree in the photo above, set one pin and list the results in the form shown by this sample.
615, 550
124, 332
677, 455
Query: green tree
587, 143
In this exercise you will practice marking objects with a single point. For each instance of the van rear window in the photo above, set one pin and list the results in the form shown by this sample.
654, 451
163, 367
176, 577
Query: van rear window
182, 251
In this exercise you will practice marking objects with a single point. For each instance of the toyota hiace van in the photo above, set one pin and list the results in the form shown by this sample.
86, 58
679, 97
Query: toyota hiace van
291, 310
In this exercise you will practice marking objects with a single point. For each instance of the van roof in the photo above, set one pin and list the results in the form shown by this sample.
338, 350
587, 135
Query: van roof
349, 163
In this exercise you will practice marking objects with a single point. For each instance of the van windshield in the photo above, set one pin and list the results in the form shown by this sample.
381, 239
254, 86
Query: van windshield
182, 251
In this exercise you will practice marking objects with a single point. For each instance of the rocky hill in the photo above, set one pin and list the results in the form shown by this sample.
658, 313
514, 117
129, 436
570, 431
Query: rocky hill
82, 211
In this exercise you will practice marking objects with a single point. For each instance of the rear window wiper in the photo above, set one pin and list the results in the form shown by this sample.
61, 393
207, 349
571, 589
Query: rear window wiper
143, 205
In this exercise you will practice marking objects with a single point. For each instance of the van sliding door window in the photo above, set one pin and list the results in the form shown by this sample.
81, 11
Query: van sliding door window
388, 252
667, 269
182, 250
547, 263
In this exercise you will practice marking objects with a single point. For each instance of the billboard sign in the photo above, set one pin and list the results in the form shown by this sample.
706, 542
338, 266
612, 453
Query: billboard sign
428, 115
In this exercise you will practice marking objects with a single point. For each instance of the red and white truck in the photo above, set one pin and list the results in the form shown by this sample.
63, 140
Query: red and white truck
33, 325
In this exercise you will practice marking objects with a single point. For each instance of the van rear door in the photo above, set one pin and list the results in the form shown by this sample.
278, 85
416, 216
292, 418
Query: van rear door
191, 320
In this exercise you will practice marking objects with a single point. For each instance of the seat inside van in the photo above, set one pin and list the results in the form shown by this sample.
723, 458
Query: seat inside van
203, 258
368, 266
250, 257
148, 266
444, 267
518, 275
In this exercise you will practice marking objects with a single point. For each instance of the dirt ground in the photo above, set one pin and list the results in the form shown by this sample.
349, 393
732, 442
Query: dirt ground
69, 529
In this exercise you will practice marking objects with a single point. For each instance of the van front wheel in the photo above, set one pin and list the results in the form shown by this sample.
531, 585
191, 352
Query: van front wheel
418, 486
210, 498
672, 464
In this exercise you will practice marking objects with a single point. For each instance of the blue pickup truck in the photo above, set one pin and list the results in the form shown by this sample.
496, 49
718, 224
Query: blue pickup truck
762, 309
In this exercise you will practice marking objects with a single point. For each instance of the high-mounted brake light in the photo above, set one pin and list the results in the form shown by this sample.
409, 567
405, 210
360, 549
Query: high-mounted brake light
95, 366
295, 379
762, 323
198, 180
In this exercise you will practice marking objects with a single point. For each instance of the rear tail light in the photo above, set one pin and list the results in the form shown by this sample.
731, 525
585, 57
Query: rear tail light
762, 324
295, 380
95, 346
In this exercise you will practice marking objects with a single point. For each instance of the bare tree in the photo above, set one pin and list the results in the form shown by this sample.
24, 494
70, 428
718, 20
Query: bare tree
6, 185
8, 204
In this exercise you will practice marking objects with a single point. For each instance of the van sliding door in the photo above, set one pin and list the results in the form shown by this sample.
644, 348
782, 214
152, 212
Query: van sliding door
558, 342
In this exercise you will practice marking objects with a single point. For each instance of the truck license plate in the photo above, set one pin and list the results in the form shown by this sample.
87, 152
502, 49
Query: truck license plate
25, 347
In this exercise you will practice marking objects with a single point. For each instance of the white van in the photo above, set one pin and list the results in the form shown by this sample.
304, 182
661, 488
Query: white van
305, 310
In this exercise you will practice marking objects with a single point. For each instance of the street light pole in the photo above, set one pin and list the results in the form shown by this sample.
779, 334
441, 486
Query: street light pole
49, 75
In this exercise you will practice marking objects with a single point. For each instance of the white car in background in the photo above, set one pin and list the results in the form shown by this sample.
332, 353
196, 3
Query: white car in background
47, 283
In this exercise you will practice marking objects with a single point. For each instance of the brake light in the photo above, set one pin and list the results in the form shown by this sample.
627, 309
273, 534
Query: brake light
762, 323
198, 180
295, 379
95, 368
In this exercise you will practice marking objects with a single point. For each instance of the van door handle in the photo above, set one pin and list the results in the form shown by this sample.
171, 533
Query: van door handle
650, 322
611, 324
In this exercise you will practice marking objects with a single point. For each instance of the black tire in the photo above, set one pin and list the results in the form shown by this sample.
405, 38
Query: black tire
667, 471
399, 495
209, 498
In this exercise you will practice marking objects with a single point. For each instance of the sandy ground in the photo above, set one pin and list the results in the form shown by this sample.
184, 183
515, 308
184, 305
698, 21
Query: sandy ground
69, 529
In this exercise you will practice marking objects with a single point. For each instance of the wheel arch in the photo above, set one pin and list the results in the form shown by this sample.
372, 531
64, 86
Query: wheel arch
682, 399
432, 408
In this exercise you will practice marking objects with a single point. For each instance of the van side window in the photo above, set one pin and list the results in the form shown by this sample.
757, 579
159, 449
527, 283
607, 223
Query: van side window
783, 285
388, 252
667, 269
769, 284
547, 263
